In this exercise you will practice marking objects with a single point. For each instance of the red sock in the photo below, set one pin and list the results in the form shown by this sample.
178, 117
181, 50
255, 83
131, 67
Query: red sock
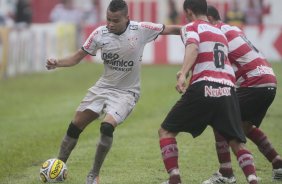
169, 153
246, 162
264, 146
223, 155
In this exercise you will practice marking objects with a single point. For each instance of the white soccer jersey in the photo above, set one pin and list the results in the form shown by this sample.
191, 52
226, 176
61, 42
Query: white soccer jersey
122, 54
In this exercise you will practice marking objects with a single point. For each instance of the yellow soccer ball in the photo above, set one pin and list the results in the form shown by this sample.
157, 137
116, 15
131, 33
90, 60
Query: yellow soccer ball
53, 171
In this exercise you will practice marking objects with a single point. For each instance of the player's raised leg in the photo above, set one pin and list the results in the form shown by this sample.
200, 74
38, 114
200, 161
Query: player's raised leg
81, 120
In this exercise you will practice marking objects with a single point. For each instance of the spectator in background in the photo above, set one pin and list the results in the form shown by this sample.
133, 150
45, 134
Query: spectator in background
92, 16
253, 13
235, 16
7, 12
173, 13
23, 14
66, 12
2, 19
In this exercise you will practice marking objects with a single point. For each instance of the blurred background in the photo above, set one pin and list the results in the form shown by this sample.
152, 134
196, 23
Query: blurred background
32, 30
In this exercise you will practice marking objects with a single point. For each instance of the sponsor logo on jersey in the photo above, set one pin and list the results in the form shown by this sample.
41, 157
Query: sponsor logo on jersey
151, 26
217, 92
265, 70
104, 31
87, 46
114, 61
133, 27
56, 169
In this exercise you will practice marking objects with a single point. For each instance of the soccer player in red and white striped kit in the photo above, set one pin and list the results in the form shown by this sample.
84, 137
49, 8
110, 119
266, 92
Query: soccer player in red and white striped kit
256, 89
210, 98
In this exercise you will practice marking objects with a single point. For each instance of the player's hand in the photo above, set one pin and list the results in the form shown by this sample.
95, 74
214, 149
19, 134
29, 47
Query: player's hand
51, 63
181, 82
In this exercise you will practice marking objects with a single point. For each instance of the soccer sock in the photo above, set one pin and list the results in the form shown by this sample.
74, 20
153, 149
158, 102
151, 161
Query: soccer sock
103, 147
223, 155
246, 162
69, 141
170, 154
265, 147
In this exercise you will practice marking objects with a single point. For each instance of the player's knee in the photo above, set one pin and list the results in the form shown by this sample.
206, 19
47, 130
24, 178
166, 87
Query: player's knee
107, 129
73, 131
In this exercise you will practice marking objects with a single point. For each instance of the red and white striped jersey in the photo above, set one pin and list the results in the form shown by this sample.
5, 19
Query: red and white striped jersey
250, 66
212, 63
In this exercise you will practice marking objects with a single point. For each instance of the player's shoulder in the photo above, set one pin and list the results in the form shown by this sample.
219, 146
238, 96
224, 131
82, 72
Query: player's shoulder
189, 27
101, 30
191, 24
134, 25
226, 28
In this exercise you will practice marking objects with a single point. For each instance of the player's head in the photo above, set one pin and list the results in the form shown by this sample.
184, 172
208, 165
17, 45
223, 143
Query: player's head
194, 8
213, 15
117, 16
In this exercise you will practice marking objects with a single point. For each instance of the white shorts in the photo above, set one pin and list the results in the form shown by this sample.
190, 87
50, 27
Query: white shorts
117, 103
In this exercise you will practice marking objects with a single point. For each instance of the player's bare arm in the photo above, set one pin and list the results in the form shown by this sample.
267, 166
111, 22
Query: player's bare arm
71, 60
171, 30
191, 54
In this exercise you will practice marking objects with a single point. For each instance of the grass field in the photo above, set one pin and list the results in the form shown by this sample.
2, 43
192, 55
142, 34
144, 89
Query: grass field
36, 109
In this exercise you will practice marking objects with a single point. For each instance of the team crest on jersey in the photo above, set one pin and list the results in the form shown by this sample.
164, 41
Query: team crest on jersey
132, 42
133, 27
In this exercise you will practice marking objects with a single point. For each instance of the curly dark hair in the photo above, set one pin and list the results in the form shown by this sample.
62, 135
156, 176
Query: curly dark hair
118, 5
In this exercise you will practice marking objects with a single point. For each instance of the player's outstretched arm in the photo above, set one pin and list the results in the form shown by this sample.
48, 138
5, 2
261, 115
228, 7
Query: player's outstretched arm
71, 60
171, 30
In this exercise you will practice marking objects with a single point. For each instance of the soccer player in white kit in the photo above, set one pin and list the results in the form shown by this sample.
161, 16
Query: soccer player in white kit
115, 94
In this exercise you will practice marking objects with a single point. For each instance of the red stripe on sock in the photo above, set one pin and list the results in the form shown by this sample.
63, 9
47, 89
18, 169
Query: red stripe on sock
246, 162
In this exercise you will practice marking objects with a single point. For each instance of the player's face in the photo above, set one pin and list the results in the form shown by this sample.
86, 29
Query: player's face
116, 21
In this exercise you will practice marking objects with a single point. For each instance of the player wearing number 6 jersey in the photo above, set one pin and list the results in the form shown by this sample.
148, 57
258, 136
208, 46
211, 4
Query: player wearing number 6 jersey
210, 98
256, 89
115, 94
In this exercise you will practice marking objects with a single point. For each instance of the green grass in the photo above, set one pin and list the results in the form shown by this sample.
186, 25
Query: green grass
36, 109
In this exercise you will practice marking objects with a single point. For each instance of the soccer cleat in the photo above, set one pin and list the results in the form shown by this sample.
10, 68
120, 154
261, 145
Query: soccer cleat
252, 178
174, 179
217, 178
92, 180
277, 174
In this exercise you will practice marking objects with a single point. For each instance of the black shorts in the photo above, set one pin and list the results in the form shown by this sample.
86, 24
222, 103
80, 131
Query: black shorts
254, 103
199, 107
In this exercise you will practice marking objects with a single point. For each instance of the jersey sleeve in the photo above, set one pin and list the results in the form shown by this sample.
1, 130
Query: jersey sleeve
150, 30
92, 44
189, 35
